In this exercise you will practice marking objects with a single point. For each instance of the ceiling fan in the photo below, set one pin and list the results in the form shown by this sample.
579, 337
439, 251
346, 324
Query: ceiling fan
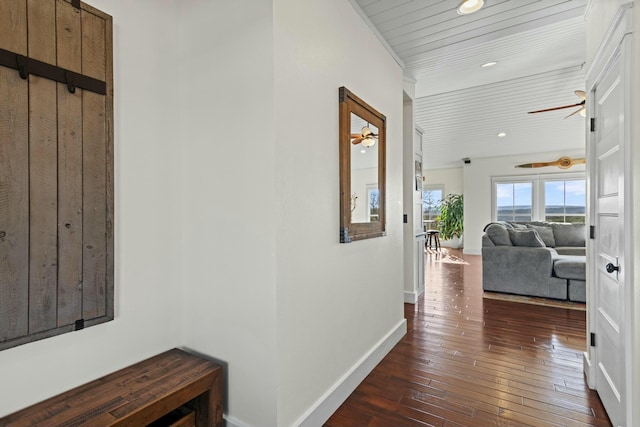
562, 163
582, 110
366, 137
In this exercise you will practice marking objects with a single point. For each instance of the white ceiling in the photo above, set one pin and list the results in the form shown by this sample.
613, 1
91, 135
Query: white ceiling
460, 106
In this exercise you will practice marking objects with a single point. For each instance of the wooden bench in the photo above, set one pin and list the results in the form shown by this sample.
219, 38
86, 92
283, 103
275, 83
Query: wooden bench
174, 388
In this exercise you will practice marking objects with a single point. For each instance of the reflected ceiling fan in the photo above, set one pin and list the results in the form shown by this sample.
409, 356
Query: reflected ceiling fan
562, 163
366, 137
582, 110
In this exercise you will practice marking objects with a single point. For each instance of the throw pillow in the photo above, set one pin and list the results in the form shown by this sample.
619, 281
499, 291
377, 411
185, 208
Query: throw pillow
498, 235
525, 238
545, 233
569, 234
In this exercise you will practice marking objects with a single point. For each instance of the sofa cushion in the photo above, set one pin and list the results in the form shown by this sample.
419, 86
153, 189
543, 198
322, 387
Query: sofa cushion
569, 234
498, 235
525, 238
545, 233
570, 250
577, 290
570, 267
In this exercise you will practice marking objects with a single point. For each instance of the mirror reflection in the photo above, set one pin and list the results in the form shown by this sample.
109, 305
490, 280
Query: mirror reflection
365, 197
362, 169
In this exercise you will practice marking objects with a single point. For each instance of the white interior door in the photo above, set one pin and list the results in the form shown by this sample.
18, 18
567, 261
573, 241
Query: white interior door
607, 194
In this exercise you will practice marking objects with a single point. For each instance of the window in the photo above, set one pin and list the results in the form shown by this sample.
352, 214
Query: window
431, 198
514, 201
552, 198
565, 201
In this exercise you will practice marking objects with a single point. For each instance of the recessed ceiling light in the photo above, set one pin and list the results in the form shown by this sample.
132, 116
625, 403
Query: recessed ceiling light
502, 134
363, 151
470, 6
489, 64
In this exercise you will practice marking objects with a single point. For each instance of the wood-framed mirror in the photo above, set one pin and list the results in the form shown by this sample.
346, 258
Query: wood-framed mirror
362, 169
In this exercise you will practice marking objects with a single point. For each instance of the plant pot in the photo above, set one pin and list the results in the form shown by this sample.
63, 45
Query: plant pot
455, 242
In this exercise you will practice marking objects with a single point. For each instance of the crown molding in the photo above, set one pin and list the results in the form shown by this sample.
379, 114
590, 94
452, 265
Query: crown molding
375, 31
588, 9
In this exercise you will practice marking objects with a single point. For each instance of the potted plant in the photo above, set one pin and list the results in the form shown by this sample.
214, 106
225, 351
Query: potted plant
451, 219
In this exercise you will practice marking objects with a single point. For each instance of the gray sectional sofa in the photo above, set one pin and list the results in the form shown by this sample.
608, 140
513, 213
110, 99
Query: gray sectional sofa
535, 259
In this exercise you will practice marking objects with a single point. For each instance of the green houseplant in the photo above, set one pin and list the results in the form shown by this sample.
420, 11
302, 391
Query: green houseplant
451, 217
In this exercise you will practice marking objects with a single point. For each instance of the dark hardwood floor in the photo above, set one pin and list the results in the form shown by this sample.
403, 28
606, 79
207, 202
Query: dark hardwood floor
469, 361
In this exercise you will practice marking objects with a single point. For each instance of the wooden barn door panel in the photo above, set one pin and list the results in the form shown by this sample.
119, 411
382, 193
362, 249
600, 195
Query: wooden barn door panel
56, 173
14, 178
68, 40
94, 173
43, 171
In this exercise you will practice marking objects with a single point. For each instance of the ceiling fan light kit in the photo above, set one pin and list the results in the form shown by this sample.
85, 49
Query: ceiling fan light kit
470, 6
367, 138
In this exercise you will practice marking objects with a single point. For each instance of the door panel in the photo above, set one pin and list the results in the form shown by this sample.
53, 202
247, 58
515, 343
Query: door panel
609, 164
608, 198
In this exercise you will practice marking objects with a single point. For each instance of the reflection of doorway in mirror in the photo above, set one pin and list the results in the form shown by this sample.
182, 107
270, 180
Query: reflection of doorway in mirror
373, 202
361, 181
364, 172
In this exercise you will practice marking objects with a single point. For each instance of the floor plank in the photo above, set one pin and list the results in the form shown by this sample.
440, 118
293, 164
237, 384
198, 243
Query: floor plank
476, 362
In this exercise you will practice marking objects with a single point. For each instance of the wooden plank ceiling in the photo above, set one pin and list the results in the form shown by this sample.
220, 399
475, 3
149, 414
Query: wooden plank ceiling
539, 47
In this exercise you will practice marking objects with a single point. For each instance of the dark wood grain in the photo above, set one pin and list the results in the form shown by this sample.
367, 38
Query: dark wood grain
135, 396
469, 361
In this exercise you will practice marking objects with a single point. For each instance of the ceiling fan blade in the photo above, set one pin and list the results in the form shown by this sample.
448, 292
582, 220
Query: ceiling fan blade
357, 140
579, 110
581, 94
557, 108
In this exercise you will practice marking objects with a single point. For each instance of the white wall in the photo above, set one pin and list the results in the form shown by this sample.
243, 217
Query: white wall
477, 188
335, 301
229, 197
450, 178
147, 221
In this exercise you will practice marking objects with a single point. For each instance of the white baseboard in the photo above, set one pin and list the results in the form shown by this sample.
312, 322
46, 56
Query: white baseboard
232, 422
338, 393
410, 297
588, 368
472, 251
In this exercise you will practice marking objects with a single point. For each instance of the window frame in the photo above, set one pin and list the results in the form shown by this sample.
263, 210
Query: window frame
494, 195
543, 213
432, 187
538, 193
